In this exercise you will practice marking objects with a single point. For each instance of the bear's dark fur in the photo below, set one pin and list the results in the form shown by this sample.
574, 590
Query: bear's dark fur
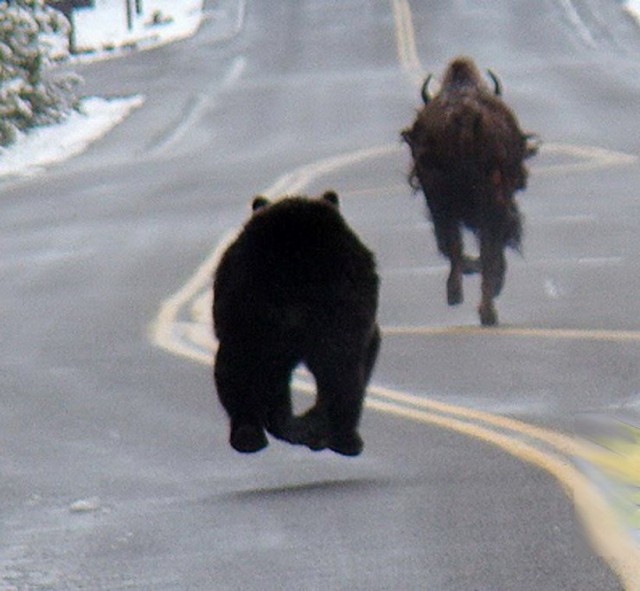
296, 286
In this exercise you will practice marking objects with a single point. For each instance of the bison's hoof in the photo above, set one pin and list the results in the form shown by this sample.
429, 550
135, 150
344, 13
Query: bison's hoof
248, 439
488, 316
454, 294
346, 444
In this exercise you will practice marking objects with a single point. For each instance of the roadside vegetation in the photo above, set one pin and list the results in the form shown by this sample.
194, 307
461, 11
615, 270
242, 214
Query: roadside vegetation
33, 91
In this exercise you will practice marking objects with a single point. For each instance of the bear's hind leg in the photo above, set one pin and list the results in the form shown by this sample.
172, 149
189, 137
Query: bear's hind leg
247, 437
240, 396
279, 420
312, 428
371, 353
341, 388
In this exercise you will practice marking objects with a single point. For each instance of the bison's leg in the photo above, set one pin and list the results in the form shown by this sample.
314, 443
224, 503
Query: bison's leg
449, 238
493, 271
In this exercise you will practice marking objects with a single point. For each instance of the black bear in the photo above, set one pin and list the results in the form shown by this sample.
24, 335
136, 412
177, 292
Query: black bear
296, 286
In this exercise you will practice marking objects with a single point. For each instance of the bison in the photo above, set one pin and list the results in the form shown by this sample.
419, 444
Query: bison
468, 157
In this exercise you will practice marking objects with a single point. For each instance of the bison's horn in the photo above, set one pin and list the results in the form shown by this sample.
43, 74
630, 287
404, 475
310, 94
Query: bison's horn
497, 87
426, 97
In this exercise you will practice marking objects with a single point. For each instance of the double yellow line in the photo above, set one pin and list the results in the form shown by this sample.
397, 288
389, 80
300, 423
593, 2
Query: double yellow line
577, 334
545, 449
405, 40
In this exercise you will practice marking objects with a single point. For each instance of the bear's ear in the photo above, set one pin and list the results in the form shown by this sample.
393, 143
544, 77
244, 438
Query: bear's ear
259, 202
331, 197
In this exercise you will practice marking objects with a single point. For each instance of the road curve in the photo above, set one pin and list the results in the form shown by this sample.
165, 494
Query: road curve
115, 452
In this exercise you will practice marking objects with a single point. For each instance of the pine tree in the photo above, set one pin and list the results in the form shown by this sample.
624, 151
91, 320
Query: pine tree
32, 92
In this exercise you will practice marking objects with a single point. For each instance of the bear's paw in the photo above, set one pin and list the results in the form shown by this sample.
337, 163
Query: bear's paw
248, 439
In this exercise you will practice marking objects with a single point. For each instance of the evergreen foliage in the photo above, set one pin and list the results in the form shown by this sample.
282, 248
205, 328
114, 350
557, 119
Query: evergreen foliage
32, 91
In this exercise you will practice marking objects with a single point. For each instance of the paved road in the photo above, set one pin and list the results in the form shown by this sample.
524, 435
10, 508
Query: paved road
311, 95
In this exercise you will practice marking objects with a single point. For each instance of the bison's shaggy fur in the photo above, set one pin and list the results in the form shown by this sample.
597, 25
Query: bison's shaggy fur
468, 157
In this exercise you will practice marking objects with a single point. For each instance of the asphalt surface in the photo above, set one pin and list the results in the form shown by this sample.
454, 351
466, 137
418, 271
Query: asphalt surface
114, 463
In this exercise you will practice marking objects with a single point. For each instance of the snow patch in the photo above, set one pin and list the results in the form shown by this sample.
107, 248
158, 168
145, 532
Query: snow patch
633, 8
101, 30
551, 289
89, 505
105, 28
43, 146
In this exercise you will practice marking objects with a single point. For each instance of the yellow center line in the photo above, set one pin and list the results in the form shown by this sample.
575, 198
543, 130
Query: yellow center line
607, 535
405, 40
562, 443
581, 334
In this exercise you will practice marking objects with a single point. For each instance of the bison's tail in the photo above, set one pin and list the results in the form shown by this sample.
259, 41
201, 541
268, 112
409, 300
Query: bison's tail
513, 228
532, 144
412, 178
414, 181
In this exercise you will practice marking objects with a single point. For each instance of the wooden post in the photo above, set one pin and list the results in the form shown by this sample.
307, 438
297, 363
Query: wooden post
129, 15
67, 7
72, 32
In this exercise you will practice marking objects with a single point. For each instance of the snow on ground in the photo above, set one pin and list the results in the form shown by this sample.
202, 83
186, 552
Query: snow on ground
100, 31
633, 8
49, 144
103, 32
104, 28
